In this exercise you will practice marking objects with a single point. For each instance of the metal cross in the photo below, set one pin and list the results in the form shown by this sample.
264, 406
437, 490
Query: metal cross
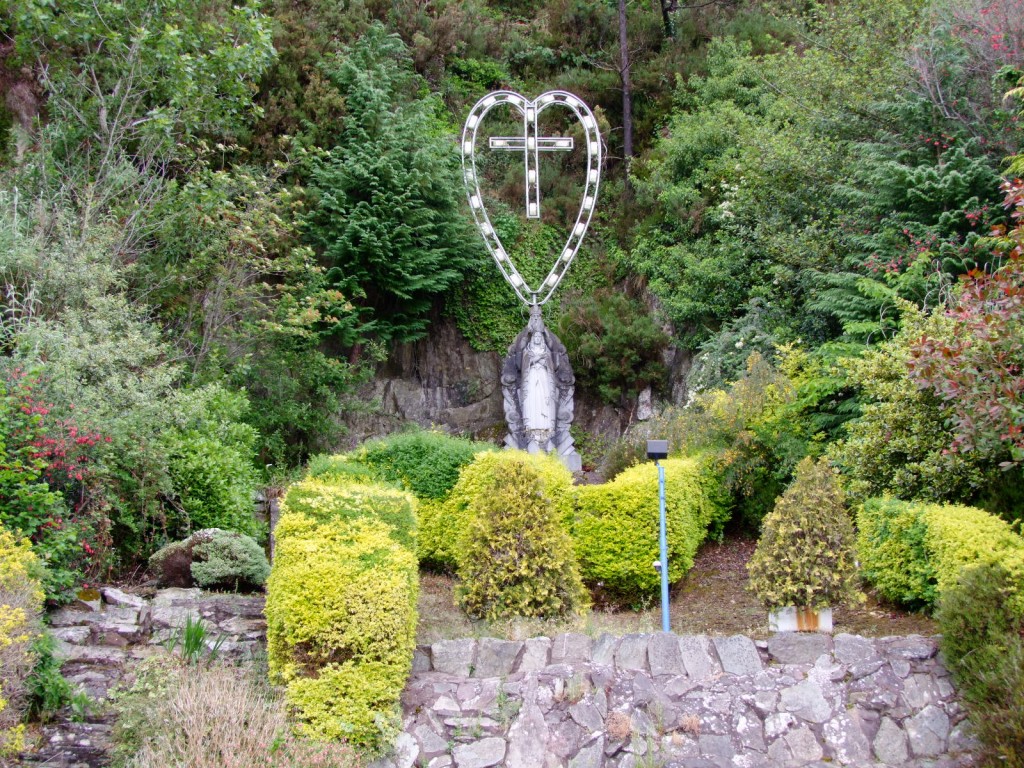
530, 144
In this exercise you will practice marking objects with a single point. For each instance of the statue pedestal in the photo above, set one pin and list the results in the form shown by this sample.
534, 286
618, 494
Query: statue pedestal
538, 384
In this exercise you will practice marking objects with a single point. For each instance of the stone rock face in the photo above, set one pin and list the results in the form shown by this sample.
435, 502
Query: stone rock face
99, 644
687, 701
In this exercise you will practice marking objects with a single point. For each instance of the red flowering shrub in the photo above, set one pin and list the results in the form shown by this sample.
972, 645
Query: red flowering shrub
979, 369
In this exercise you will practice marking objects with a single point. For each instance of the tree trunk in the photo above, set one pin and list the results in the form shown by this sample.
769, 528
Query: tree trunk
667, 7
627, 88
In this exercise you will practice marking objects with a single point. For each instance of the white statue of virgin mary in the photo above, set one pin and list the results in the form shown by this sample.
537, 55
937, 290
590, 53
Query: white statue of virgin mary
537, 384
538, 391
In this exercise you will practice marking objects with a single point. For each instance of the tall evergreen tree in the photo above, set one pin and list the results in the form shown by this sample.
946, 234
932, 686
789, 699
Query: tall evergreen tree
385, 217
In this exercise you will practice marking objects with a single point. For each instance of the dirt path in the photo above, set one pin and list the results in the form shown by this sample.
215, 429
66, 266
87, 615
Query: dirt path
712, 599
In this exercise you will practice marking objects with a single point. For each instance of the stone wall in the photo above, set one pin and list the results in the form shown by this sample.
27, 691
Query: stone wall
665, 700
638, 701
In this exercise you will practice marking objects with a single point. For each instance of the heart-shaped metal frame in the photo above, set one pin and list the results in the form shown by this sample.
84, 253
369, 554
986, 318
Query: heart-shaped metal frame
530, 144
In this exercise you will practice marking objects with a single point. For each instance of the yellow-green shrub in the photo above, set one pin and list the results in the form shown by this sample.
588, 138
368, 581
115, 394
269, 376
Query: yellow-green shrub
514, 555
615, 526
431, 548
476, 479
805, 556
913, 552
341, 624
342, 499
21, 605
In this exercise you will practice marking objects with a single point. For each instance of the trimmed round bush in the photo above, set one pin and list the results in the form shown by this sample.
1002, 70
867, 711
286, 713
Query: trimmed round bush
214, 559
476, 479
805, 556
341, 625
616, 525
344, 499
913, 552
514, 556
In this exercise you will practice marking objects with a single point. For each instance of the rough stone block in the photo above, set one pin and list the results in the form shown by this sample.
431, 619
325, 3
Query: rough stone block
698, 660
527, 739
911, 648
798, 647
421, 660
480, 754
175, 595
845, 738
114, 596
496, 658
586, 714
604, 649
927, 732
664, 656
890, 743
590, 756
738, 655
806, 701
536, 655
454, 657
570, 648
853, 649
632, 653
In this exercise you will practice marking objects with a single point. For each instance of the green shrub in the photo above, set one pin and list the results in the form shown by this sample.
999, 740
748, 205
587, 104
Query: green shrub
423, 462
805, 556
325, 501
514, 555
983, 644
212, 558
215, 482
477, 479
913, 552
616, 524
226, 559
338, 467
21, 607
341, 625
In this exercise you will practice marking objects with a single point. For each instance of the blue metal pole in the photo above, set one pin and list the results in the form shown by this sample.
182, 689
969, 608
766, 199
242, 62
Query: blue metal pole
663, 542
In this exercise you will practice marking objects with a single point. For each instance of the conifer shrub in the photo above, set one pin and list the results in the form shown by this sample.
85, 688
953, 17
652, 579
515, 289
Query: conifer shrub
341, 625
615, 526
346, 499
805, 556
214, 559
445, 523
514, 556
21, 607
913, 552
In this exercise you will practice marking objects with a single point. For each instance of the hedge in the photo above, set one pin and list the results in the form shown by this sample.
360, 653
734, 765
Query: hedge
425, 463
325, 500
913, 552
615, 526
444, 523
21, 607
341, 625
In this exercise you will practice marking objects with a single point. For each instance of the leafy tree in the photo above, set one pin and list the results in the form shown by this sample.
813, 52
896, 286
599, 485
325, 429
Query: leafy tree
978, 368
384, 215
